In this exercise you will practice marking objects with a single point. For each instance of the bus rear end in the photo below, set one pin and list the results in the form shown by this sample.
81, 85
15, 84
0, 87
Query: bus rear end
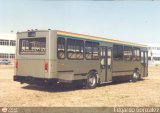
33, 60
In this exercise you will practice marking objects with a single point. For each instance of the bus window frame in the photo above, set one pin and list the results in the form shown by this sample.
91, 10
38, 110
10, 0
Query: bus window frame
74, 48
130, 49
64, 48
92, 43
120, 58
134, 57
20, 44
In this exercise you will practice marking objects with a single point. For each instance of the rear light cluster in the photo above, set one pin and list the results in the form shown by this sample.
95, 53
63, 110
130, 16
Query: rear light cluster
46, 67
16, 64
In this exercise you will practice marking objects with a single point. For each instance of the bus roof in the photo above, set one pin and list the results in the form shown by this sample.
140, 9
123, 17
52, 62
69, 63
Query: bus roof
64, 33
77, 35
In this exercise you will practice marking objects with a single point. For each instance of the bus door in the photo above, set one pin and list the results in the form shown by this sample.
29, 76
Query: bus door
106, 64
144, 62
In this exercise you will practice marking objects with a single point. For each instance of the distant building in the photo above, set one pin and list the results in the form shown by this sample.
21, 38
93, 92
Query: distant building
7, 46
153, 53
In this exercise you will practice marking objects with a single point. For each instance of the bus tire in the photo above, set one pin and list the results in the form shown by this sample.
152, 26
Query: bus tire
91, 81
135, 76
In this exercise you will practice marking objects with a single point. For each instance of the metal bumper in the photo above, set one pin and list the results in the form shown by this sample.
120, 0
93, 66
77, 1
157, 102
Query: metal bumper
34, 80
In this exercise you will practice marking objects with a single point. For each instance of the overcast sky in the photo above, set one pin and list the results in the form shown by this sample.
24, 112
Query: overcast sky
133, 21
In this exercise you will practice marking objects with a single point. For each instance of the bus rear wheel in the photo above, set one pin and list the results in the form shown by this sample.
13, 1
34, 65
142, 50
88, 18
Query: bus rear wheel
91, 81
135, 76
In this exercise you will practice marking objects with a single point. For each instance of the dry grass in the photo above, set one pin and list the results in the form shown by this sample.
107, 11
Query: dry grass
139, 94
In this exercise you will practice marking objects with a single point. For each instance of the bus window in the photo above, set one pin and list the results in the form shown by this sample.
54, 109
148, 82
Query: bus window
75, 49
79, 49
142, 57
32, 46
95, 50
118, 52
146, 57
109, 57
136, 54
91, 50
88, 50
127, 53
61, 48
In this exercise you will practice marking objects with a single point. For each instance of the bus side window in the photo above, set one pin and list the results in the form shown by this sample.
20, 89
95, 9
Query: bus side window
75, 49
91, 50
136, 54
146, 57
88, 50
61, 48
118, 52
142, 57
95, 50
127, 53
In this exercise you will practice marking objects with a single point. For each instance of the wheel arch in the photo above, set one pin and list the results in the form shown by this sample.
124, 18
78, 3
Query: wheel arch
136, 69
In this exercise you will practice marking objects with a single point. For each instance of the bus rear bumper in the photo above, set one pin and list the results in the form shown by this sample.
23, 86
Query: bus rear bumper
34, 80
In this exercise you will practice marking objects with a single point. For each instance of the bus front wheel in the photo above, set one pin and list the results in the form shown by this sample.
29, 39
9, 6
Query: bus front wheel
91, 81
135, 76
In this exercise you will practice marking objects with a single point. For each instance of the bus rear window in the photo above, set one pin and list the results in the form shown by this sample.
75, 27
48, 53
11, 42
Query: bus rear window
32, 46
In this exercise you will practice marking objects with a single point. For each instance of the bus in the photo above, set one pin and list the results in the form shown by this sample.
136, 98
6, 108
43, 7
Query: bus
47, 57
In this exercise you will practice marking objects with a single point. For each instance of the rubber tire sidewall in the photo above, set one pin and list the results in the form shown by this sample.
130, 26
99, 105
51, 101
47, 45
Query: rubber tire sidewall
88, 86
133, 78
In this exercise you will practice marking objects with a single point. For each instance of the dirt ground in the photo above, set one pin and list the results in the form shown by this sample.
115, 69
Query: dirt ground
142, 93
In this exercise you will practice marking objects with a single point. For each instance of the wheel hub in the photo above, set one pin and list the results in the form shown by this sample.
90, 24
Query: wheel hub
92, 80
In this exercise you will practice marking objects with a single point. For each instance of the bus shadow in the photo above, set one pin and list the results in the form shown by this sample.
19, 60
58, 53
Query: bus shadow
59, 88
120, 82
70, 87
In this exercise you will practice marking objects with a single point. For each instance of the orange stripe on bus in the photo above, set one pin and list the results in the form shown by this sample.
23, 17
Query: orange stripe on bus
96, 38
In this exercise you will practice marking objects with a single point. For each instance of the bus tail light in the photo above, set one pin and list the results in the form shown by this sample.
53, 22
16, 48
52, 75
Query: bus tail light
16, 64
46, 67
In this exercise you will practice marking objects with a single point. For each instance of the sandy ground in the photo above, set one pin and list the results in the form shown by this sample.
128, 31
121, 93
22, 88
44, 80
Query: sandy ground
139, 94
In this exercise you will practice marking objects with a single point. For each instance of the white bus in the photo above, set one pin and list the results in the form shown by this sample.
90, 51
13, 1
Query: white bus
52, 56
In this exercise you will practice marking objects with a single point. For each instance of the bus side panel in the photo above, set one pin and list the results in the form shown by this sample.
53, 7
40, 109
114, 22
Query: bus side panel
144, 70
77, 68
121, 68
52, 69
